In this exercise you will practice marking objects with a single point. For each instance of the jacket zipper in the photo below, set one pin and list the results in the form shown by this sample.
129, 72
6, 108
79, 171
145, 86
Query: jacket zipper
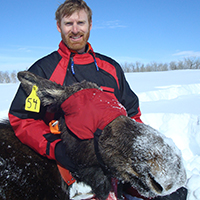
72, 64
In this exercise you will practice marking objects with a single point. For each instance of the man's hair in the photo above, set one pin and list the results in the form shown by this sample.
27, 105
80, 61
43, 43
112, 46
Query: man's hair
71, 6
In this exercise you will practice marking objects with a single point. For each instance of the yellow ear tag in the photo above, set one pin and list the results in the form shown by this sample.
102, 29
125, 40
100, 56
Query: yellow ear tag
32, 101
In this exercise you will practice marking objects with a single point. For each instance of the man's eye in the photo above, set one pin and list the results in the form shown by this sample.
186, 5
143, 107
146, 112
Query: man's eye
68, 23
80, 23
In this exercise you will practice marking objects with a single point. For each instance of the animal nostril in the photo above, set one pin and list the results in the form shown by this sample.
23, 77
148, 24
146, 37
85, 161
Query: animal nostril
156, 186
169, 187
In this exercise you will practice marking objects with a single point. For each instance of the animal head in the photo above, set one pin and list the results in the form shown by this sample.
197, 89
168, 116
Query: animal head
50, 93
143, 157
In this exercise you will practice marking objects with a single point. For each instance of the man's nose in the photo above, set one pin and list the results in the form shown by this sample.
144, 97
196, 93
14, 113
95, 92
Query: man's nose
75, 29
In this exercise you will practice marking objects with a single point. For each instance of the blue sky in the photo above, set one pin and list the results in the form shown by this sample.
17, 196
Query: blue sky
128, 31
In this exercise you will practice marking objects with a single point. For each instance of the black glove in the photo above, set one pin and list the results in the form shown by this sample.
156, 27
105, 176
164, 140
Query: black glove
62, 157
180, 194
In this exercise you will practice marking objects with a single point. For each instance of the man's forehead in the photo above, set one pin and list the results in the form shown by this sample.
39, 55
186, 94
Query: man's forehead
77, 15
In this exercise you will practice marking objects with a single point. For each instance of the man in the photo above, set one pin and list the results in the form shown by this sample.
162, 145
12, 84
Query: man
74, 61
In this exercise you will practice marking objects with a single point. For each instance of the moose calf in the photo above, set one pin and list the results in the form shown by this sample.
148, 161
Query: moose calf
132, 152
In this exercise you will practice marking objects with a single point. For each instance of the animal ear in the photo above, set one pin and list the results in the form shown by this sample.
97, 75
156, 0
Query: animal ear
49, 93
27, 80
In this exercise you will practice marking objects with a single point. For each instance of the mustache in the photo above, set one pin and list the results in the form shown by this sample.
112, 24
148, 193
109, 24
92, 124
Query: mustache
76, 34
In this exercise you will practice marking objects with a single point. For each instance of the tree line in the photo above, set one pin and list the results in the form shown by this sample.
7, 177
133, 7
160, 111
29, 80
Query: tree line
6, 77
187, 63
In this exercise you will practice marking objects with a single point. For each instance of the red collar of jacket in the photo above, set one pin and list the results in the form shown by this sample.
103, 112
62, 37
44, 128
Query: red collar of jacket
67, 52
79, 59
90, 109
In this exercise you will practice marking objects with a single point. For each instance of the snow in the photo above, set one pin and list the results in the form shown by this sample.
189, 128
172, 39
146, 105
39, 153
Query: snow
80, 188
169, 102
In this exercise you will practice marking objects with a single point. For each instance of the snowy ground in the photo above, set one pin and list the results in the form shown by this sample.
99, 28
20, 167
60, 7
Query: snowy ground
170, 102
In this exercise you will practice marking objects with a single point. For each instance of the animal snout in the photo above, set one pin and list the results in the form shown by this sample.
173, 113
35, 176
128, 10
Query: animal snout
158, 188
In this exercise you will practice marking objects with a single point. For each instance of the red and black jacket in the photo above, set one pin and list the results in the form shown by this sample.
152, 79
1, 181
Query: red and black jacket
65, 67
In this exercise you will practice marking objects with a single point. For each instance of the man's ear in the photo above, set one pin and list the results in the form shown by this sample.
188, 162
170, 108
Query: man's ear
58, 26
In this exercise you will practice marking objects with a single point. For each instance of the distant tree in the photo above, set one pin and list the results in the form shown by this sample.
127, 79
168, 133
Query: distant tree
13, 76
149, 67
138, 65
6, 77
132, 67
180, 64
197, 64
172, 65
188, 63
125, 67
1, 77
153, 66
192, 63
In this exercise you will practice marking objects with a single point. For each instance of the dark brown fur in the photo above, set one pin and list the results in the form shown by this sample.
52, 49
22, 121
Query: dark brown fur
24, 174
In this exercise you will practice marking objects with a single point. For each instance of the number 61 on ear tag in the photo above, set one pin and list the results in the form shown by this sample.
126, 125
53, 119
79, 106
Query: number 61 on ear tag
32, 101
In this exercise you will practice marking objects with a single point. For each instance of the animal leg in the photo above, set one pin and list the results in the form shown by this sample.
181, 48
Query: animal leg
95, 178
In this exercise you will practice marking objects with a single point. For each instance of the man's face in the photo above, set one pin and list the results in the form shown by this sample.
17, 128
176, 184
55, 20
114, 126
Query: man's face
75, 30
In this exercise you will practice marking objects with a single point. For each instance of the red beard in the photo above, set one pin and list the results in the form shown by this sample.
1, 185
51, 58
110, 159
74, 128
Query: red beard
76, 45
